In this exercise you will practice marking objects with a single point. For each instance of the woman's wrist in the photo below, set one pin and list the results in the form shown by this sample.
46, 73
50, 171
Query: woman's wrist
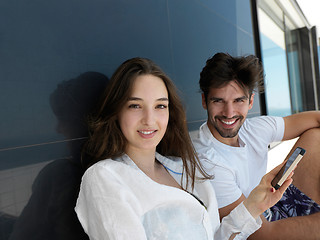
252, 208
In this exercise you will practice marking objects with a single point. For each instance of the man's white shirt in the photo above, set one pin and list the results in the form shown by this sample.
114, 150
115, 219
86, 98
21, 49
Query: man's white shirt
237, 170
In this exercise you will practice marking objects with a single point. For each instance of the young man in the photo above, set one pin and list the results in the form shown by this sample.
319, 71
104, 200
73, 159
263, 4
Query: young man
235, 149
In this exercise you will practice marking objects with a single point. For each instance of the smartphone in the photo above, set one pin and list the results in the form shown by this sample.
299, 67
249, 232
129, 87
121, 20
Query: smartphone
288, 167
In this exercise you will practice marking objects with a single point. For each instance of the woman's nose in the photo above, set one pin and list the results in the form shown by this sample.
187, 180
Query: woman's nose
148, 117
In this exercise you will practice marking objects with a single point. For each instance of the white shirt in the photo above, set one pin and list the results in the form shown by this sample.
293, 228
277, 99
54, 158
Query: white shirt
118, 201
238, 170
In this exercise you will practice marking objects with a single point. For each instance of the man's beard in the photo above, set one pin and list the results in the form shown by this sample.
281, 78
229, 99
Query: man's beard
227, 133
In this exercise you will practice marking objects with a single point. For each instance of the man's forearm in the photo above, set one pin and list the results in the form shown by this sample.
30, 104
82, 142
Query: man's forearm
293, 228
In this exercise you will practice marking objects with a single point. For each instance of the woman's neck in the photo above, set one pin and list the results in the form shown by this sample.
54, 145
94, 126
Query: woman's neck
145, 160
147, 163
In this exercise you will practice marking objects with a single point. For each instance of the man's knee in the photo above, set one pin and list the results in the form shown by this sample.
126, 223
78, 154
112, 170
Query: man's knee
310, 140
307, 173
311, 134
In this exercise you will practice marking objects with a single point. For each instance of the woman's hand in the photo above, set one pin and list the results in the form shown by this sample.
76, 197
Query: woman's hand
264, 195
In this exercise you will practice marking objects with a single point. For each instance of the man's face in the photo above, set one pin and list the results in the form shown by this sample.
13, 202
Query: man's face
227, 108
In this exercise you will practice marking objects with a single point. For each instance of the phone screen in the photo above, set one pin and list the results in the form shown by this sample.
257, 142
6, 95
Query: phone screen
290, 160
284, 169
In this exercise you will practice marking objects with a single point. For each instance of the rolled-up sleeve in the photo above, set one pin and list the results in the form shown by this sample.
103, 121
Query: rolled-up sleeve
240, 222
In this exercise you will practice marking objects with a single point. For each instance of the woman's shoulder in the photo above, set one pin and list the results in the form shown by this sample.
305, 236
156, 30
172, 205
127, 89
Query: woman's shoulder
108, 167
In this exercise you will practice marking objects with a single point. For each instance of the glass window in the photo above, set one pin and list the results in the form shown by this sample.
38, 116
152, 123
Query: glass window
289, 56
294, 68
273, 51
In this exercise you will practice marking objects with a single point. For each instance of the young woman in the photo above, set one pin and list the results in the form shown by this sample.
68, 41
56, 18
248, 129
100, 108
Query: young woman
145, 180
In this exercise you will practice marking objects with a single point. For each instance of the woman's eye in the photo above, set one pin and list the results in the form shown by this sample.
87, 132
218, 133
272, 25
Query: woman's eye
134, 106
162, 106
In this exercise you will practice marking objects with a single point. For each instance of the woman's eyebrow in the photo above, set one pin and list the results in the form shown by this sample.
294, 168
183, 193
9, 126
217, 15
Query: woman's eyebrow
134, 99
163, 99
140, 99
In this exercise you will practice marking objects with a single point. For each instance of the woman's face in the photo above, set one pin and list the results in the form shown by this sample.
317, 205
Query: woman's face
144, 118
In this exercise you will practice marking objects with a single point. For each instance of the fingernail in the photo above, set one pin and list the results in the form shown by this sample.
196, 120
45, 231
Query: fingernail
272, 190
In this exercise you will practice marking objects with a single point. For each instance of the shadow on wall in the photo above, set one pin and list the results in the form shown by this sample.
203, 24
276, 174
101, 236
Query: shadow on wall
50, 214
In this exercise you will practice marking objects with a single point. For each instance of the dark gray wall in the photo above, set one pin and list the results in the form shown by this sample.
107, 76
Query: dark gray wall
63, 51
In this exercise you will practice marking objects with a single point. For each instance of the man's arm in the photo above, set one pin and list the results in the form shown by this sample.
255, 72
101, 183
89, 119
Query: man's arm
293, 228
297, 124
227, 209
306, 227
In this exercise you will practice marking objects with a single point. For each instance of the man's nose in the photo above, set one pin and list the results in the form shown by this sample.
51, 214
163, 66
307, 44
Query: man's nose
228, 110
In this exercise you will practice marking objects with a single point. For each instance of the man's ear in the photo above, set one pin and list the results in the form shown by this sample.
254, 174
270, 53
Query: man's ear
204, 104
251, 100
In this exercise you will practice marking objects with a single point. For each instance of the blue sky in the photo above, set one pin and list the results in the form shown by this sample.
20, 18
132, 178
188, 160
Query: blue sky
310, 8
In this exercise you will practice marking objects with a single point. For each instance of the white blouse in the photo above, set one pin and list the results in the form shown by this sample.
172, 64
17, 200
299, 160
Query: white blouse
119, 201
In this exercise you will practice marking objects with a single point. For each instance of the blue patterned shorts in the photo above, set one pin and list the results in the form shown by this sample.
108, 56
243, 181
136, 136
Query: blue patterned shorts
293, 203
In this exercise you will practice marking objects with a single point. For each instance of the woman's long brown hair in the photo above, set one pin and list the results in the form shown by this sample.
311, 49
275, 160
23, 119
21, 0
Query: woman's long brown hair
105, 137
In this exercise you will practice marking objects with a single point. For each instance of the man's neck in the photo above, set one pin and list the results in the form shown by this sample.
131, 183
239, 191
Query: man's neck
233, 142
